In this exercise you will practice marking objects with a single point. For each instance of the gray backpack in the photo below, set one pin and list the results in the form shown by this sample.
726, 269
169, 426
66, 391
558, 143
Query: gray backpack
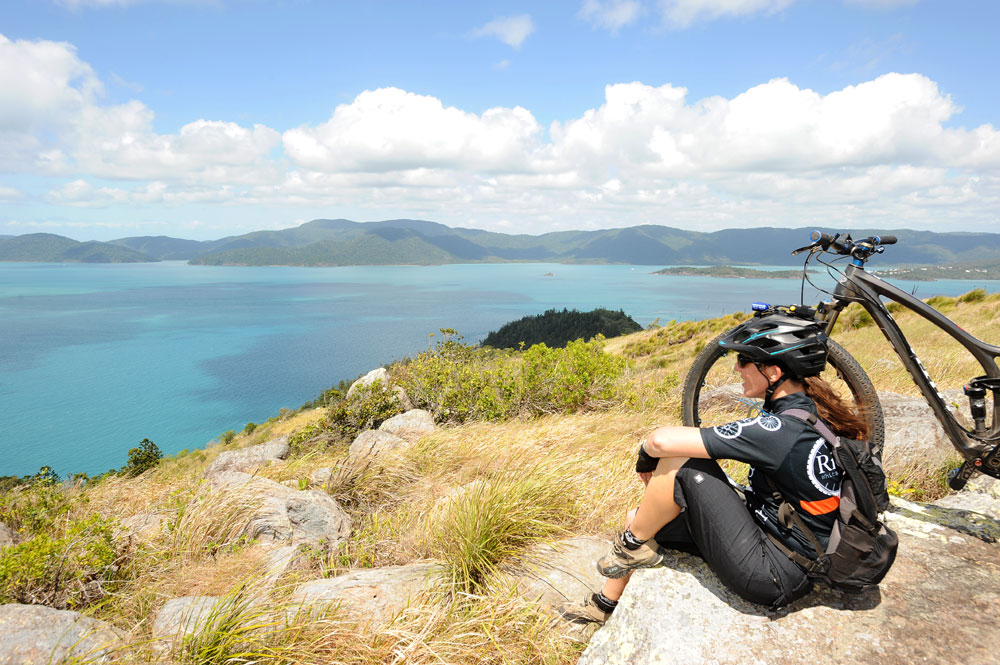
862, 548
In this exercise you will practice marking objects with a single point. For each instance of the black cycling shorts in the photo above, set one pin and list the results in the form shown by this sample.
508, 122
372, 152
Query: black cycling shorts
716, 524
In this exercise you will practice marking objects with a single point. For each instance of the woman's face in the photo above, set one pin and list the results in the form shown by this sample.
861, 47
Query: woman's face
754, 382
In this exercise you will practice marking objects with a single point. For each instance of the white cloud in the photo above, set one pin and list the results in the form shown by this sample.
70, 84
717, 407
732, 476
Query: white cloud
682, 13
52, 121
511, 30
390, 130
612, 15
9, 194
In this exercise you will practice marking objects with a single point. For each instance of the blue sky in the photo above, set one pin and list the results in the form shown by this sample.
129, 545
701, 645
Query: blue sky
202, 119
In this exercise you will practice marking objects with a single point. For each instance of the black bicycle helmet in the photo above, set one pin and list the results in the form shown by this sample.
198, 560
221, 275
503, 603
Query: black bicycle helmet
796, 345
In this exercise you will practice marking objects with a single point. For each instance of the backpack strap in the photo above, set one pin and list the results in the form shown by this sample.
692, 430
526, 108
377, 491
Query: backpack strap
787, 516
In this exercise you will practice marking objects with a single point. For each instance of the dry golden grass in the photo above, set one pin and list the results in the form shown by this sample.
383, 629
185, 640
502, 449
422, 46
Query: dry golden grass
407, 507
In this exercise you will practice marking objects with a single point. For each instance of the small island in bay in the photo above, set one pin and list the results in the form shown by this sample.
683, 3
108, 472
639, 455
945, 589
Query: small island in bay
730, 272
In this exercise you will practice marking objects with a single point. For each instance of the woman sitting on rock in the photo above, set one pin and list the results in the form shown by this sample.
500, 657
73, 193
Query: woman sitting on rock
689, 503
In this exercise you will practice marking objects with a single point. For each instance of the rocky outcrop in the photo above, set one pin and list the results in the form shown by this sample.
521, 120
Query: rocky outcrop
373, 443
411, 425
380, 374
248, 460
34, 634
7, 535
373, 594
930, 608
284, 516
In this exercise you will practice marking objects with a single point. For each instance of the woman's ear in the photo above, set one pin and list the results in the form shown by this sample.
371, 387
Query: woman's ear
772, 372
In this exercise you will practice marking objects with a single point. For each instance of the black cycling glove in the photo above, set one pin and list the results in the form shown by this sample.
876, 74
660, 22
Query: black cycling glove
646, 462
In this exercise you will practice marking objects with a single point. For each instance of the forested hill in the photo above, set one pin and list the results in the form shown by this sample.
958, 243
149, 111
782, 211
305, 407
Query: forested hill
58, 249
332, 242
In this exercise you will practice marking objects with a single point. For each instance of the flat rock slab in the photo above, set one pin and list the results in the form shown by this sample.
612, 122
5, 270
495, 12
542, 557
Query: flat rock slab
553, 573
411, 425
930, 608
249, 459
374, 443
283, 515
35, 634
377, 594
380, 374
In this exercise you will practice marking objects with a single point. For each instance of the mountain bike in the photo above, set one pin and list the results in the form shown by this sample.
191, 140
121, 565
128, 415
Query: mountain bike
711, 396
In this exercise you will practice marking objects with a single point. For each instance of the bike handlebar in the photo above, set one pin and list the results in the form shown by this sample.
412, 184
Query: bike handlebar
844, 245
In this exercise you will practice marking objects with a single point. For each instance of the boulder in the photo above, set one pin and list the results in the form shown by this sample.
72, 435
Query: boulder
380, 374
283, 515
410, 425
373, 443
373, 594
7, 535
143, 527
249, 459
321, 476
914, 439
552, 573
31, 634
180, 617
930, 608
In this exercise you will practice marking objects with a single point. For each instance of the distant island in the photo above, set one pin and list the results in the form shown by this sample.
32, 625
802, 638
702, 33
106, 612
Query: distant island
342, 242
731, 272
931, 273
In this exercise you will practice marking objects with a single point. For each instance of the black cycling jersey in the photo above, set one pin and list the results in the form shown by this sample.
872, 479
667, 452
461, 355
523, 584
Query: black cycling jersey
798, 461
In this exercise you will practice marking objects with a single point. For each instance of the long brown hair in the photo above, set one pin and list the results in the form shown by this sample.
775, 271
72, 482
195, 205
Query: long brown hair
842, 417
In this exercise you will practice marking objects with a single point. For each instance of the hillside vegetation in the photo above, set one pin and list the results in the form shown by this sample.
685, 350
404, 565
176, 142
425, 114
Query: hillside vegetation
556, 329
547, 436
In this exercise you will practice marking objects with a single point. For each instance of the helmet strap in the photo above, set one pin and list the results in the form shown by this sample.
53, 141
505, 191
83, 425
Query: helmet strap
771, 387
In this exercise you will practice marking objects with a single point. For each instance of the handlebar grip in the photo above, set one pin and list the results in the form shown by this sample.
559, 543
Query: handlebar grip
819, 236
885, 240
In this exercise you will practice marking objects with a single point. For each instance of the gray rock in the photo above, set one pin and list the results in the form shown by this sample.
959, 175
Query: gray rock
321, 476
180, 617
376, 594
914, 439
285, 516
31, 634
373, 443
410, 425
249, 459
381, 374
930, 608
7, 535
144, 527
557, 572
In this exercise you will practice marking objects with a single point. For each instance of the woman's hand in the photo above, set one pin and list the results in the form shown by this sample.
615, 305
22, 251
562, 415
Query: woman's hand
644, 477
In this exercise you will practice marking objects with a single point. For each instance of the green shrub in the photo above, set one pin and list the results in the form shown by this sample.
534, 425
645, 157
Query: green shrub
249, 428
458, 382
227, 437
142, 458
64, 567
367, 408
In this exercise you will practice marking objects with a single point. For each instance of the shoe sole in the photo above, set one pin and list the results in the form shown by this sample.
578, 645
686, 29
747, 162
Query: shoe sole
615, 571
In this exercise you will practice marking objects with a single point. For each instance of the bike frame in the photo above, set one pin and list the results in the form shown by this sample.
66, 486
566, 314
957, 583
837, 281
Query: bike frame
858, 285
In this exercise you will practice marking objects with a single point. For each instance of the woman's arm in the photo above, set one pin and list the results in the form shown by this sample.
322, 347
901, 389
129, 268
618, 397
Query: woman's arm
674, 441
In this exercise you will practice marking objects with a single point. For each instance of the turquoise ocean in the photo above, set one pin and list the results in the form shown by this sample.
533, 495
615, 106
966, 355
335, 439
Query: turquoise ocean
94, 358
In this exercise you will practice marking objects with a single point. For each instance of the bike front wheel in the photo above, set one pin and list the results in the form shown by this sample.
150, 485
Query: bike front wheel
713, 394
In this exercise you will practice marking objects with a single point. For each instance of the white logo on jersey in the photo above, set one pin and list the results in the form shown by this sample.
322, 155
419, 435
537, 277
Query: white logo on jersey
769, 422
822, 469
